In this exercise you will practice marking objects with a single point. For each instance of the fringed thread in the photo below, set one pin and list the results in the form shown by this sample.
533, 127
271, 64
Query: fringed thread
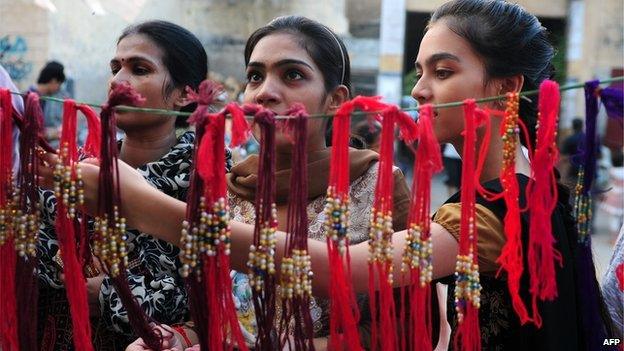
511, 257
344, 313
586, 285
262, 271
9, 339
26, 226
417, 256
380, 242
296, 330
542, 199
110, 226
66, 187
467, 284
206, 232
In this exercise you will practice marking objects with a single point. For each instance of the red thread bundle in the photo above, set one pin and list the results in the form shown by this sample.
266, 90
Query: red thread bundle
542, 199
8, 258
467, 285
418, 248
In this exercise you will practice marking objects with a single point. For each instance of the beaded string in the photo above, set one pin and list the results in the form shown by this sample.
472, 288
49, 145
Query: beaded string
542, 198
109, 237
68, 190
206, 231
467, 282
261, 263
9, 339
381, 231
344, 312
417, 255
26, 224
296, 329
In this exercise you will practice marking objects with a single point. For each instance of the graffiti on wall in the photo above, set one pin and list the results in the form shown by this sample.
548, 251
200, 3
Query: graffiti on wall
13, 51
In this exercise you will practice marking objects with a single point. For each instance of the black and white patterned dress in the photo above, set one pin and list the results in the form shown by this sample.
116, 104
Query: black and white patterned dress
153, 264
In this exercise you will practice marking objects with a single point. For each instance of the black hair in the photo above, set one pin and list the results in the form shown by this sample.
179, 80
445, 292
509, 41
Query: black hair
52, 70
577, 125
183, 54
325, 48
510, 41
323, 45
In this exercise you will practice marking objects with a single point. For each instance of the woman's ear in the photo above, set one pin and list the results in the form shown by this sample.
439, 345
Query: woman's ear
512, 84
181, 99
339, 96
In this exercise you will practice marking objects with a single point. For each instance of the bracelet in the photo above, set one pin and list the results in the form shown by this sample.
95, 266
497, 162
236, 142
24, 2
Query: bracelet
180, 330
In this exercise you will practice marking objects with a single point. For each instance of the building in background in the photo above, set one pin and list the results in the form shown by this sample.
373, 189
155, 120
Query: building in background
382, 37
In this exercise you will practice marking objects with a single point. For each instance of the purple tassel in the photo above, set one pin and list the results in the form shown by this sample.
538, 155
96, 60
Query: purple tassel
613, 100
587, 286
591, 142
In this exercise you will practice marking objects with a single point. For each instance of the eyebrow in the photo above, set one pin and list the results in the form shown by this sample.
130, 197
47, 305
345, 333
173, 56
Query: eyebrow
132, 59
439, 57
281, 63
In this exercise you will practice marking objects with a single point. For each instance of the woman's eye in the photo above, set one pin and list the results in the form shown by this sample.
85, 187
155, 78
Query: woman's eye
141, 71
443, 73
253, 77
114, 70
294, 75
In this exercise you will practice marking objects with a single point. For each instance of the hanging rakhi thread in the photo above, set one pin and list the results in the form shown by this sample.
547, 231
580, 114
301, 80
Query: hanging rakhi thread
262, 270
467, 282
417, 256
69, 193
380, 264
109, 237
26, 226
587, 168
589, 292
511, 258
344, 313
542, 198
206, 230
296, 330
9, 339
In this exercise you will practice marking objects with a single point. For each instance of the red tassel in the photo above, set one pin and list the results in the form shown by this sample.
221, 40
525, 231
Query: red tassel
296, 330
542, 200
511, 257
468, 287
66, 178
94, 137
619, 275
344, 313
240, 128
418, 248
382, 301
205, 256
8, 258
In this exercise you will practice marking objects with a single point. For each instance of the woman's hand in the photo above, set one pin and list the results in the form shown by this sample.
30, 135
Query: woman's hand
171, 341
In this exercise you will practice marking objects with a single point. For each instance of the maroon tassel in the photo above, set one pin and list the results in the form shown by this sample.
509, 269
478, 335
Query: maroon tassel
26, 228
296, 330
262, 253
8, 257
110, 226
206, 232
